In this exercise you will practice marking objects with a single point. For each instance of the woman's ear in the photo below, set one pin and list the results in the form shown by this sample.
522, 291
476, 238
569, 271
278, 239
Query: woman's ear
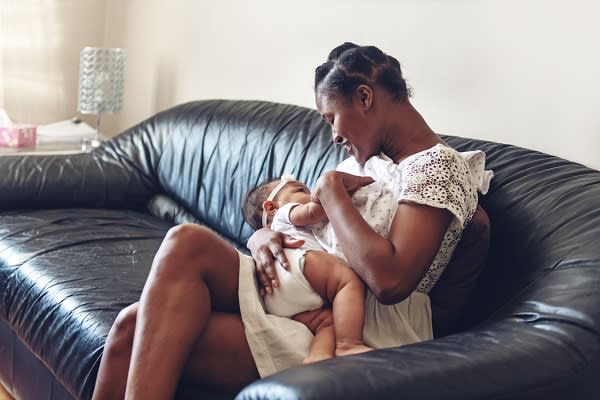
365, 96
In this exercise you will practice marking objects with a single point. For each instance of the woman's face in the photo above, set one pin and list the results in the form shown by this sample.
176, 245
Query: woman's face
349, 125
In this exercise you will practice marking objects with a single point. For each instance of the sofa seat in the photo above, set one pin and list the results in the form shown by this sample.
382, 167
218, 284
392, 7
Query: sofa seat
65, 273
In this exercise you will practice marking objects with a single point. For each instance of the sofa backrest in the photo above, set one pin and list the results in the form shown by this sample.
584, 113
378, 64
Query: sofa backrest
545, 211
206, 155
545, 253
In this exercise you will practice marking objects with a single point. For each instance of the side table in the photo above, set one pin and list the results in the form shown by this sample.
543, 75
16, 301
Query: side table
44, 149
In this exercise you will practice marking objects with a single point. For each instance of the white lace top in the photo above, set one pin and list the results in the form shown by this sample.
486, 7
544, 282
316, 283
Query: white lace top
438, 177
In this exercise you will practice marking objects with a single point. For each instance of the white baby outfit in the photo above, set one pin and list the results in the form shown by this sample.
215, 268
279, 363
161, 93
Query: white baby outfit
375, 202
294, 294
438, 177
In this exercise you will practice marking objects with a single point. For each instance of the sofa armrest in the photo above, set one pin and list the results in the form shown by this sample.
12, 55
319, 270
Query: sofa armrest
544, 344
97, 179
500, 362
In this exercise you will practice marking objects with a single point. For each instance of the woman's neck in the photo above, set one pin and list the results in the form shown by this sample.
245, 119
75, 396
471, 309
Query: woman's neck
408, 133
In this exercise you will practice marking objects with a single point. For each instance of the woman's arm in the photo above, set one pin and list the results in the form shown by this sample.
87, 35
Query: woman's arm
391, 267
307, 214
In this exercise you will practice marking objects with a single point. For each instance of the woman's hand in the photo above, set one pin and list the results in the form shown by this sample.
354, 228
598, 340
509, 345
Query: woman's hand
332, 179
266, 247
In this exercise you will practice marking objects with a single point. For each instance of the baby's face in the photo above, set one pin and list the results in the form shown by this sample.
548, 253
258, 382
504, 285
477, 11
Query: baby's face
293, 192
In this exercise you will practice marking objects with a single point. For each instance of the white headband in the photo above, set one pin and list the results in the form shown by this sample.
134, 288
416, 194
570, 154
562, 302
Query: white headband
284, 179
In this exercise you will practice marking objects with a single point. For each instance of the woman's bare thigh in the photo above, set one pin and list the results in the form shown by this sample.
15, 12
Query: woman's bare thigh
200, 253
223, 275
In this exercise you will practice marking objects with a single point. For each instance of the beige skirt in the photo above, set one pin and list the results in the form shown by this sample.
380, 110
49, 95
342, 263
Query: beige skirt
278, 343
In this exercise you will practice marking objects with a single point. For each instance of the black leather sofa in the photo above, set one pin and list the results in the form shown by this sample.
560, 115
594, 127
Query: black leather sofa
78, 234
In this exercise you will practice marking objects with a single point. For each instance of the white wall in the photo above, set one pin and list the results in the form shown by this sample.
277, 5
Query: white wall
1, 78
1, 62
516, 71
41, 41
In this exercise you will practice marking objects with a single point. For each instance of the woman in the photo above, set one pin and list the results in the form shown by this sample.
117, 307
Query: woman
188, 322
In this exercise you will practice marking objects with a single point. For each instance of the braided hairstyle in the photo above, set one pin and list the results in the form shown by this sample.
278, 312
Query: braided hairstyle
350, 65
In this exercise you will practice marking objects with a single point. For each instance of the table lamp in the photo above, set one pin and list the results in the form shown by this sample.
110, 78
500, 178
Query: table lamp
101, 81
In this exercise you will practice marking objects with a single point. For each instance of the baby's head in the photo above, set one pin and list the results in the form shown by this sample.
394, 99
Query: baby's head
264, 200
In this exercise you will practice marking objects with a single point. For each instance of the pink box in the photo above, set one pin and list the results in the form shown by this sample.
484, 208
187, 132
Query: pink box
17, 136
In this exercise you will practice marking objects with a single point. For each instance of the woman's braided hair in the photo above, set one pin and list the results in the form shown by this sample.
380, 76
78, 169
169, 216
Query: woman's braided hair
350, 65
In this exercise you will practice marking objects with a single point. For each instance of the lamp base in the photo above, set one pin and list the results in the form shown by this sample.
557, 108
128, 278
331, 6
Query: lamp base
88, 144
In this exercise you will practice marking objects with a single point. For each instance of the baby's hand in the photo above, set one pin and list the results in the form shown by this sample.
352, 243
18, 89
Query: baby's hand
330, 180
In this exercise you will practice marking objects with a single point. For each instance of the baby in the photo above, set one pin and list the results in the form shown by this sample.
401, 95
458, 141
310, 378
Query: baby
315, 277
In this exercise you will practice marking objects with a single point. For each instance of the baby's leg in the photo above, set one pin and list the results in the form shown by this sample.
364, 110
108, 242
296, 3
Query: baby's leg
336, 282
320, 323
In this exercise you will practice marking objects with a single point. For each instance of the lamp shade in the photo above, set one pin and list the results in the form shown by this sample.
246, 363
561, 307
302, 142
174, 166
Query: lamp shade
101, 80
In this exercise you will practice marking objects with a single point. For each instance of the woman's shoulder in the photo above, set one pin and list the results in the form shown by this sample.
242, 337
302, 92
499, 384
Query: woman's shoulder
440, 162
445, 161
432, 155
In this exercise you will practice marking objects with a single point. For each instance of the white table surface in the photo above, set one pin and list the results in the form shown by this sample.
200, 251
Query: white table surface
44, 149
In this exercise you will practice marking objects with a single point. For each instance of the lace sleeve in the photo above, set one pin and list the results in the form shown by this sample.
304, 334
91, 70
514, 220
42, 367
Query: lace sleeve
440, 177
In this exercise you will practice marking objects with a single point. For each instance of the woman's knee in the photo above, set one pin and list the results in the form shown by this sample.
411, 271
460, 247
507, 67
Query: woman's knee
184, 248
190, 237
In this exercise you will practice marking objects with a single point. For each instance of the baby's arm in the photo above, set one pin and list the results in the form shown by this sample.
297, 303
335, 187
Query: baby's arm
307, 214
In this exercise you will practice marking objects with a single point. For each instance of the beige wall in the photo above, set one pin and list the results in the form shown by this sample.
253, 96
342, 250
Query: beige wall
515, 71
41, 41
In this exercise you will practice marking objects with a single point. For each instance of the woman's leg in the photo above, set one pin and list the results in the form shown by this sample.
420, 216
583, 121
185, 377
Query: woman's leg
194, 272
112, 373
221, 358
335, 281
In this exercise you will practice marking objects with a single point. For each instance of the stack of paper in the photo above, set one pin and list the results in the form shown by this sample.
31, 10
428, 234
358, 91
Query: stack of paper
71, 130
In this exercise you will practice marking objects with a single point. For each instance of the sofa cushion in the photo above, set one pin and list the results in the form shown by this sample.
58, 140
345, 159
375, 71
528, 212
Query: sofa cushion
64, 276
452, 292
